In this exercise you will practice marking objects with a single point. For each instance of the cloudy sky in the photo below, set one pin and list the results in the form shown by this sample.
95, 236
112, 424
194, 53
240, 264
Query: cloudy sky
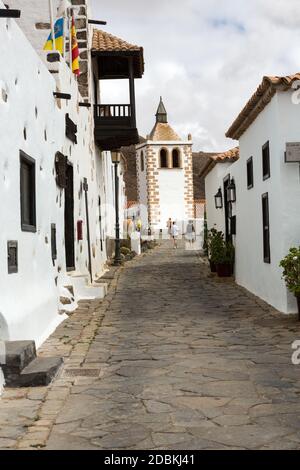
205, 58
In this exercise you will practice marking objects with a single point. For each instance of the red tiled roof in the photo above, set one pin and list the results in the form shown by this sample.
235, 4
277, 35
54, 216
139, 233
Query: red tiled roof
259, 101
221, 157
106, 42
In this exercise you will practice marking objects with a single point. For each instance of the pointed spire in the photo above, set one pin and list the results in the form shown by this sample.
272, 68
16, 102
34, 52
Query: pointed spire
161, 113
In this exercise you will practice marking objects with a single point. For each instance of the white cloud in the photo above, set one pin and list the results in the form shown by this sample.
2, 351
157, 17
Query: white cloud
204, 58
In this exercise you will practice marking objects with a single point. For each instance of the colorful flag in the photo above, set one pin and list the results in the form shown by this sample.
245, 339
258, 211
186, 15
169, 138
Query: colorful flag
59, 37
75, 49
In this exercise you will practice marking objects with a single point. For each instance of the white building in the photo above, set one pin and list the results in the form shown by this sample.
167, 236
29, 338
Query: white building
265, 216
57, 192
165, 175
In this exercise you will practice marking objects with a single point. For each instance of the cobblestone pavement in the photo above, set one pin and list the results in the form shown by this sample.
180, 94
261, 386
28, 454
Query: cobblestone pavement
173, 358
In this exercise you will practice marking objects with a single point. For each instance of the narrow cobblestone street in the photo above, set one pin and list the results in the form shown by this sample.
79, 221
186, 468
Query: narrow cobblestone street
173, 358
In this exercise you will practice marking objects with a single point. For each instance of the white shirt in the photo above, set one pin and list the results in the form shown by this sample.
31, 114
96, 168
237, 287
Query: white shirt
174, 230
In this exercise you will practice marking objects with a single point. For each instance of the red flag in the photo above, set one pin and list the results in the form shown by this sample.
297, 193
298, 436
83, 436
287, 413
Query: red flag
75, 49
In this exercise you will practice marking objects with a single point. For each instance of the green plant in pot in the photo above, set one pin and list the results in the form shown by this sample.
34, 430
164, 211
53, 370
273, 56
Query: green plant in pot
291, 273
225, 260
215, 247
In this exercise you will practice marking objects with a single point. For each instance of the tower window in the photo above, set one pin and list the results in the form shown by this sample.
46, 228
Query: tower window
142, 161
163, 159
175, 158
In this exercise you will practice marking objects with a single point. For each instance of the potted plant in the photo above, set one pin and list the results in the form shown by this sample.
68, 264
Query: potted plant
215, 241
215, 248
225, 260
291, 273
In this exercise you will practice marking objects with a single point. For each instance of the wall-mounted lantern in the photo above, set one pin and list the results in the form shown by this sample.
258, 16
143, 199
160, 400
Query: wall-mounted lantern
231, 192
219, 199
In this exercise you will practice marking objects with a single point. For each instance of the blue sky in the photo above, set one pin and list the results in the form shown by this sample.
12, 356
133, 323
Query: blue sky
205, 58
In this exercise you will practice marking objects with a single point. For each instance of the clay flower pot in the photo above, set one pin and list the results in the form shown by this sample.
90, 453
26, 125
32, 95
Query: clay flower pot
224, 270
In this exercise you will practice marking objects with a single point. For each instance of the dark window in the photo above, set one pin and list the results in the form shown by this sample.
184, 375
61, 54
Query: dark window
71, 129
175, 159
233, 225
142, 161
27, 192
163, 158
266, 228
250, 179
266, 161
53, 242
12, 257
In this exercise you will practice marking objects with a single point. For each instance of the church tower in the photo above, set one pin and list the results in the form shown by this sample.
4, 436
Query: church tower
165, 175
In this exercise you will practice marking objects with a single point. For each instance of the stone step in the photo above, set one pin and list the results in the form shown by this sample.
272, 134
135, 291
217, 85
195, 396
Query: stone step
40, 372
17, 355
22, 368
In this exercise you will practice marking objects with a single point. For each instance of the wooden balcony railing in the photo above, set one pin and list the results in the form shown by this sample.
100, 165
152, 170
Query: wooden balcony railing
103, 111
115, 125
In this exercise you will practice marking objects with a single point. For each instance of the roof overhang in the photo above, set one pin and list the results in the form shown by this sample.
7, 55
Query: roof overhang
229, 156
259, 100
114, 56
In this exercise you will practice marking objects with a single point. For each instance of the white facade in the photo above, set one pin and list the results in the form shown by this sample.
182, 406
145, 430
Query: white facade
32, 120
278, 124
163, 192
164, 176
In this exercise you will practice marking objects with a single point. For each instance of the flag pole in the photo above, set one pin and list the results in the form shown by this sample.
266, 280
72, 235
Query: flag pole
52, 25
70, 37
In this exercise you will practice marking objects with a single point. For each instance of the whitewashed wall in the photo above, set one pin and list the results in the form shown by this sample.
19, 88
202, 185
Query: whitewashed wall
213, 182
142, 185
171, 191
29, 300
278, 123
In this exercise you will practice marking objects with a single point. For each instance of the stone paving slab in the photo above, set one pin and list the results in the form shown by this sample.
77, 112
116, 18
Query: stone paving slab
173, 358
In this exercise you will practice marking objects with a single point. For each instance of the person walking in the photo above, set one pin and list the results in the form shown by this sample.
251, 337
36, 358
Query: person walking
174, 234
190, 232
169, 226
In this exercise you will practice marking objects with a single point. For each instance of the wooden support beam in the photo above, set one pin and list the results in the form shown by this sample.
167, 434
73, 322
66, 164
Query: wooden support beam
62, 96
7, 13
97, 22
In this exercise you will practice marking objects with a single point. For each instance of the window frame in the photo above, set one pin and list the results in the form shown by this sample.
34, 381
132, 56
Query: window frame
250, 173
30, 162
266, 172
266, 228
179, 159
166, 153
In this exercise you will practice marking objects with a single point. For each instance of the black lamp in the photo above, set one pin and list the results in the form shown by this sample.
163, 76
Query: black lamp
231, 192
219, 199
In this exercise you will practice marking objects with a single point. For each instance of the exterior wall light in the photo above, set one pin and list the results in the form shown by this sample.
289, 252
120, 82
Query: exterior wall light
219, 199
231, 192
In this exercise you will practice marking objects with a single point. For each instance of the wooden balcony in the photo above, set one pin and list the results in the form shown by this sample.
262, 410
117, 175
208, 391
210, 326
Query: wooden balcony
115, 126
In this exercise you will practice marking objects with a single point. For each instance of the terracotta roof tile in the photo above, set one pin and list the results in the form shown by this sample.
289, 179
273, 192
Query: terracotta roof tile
259, 101
106, 42
229, 155
162, 131
222, 157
